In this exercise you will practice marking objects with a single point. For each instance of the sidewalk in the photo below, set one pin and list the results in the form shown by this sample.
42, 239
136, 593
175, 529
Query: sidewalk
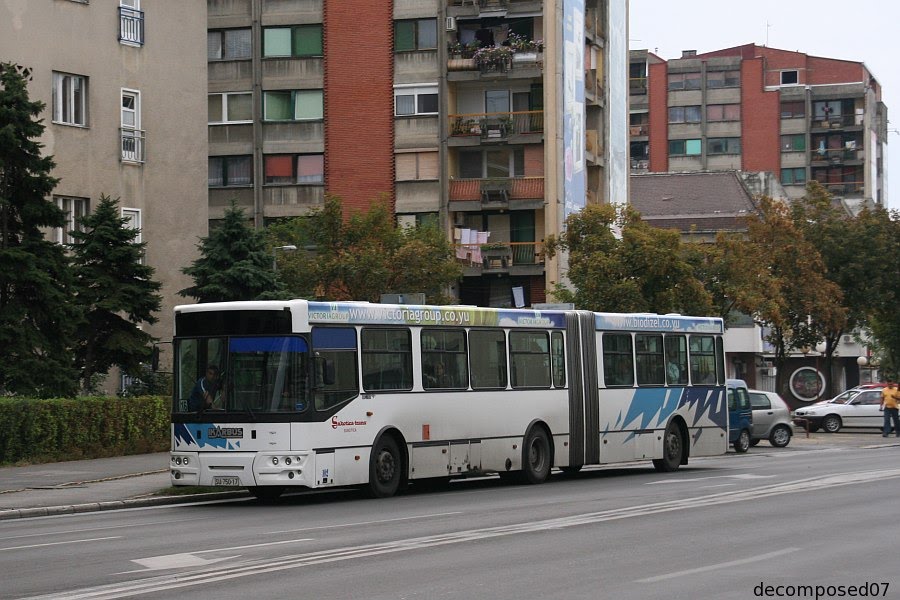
143, 479
91, 485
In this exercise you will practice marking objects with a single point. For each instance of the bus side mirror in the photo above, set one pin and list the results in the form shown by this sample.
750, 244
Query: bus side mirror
324, 371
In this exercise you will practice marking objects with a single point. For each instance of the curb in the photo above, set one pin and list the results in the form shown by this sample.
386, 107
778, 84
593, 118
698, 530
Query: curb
46, 511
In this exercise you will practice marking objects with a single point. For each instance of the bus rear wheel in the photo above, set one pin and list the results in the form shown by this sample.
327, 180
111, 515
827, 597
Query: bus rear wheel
673, 449
536, 456
385, 468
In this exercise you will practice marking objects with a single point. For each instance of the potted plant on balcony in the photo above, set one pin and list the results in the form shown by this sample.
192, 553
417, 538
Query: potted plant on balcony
525, 50
460, 56
494, 59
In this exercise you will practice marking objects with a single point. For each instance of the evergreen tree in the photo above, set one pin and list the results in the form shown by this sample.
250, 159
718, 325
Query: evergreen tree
234, 263
116, 293
36, 318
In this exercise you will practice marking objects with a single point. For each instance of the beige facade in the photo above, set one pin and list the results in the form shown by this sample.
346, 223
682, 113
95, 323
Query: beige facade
124, 83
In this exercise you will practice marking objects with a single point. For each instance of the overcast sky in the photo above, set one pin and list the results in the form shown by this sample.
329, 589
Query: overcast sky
867, 31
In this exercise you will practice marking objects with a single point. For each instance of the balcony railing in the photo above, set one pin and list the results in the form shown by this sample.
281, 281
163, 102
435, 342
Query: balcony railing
837, 155
492, 60
846, 188
492, 189
637, 86
640, 166
837, 121
131, 26
132, 145
490, 126
500, 255
638, 129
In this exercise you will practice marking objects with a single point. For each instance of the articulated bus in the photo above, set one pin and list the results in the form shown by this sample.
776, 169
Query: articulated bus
327, 394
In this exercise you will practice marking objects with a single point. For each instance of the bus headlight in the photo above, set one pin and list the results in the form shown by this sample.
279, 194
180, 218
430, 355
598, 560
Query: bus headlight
274, 460
185, 461
287, 460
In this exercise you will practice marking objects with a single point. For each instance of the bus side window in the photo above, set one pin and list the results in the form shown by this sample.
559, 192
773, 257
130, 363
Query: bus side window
529, 354
444, 364
618, 361
649, 352
334, 366
386, 359
487, 352
558, 359
703, 359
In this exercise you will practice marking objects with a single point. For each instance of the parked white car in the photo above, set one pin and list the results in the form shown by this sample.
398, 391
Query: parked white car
771, 419
862, 409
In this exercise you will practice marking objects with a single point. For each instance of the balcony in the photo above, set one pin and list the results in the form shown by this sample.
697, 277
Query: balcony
492, 7
473, 129
637, 86
132, 144
515, 258
593, 86
845, 188
131, 26
494, 63
640, 165
512, 193
837, 121
638, 130
822, 157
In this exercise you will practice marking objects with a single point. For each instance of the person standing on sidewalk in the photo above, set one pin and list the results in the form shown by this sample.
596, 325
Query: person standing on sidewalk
889, 399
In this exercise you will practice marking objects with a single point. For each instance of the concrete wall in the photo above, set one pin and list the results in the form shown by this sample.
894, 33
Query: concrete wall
169, 71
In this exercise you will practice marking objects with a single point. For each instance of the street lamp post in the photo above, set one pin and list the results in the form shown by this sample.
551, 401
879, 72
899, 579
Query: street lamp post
275, 249
820, 349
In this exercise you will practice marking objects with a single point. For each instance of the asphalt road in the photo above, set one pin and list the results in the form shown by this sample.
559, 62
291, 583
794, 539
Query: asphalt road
716, 529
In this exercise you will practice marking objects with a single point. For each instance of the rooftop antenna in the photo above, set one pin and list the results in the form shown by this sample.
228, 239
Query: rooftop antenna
768, 26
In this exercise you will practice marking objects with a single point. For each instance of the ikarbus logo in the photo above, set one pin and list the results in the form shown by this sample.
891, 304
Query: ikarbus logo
225, 433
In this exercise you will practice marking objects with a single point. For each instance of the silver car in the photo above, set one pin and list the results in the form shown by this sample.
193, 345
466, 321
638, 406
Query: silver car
771, 419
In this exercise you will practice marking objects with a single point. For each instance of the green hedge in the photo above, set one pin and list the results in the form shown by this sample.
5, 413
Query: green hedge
33, 431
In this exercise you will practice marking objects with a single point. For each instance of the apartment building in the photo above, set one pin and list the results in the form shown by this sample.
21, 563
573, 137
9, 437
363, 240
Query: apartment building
122, 82
494, 118
755, 108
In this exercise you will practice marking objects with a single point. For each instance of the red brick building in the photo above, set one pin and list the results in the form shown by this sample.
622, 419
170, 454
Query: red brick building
754, 108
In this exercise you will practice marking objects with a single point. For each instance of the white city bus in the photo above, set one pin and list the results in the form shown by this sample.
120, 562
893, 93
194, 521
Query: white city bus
327, 394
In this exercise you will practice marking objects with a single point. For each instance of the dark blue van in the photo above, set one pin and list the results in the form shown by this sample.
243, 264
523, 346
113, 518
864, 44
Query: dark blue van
740, 414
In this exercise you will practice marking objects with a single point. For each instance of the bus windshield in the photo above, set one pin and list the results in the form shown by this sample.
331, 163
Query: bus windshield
268, 374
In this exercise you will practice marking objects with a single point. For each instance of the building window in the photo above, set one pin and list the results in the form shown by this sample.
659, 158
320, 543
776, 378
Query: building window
293, 105
790, 77
131, 23
720, 79
132, 134
228, 44
684, 81
417, 166
225, 171
233, 107
723, 146
500, 163
795, 176
70, 98
297, 41
684, 147
723, 112
684, 114
75, 209
294, 168
417, 34
793, 143
793, 110
419, 100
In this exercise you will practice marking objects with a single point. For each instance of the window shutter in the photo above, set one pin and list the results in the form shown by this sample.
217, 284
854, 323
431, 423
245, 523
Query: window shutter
406, 167
279, 166
428, 165
311, 168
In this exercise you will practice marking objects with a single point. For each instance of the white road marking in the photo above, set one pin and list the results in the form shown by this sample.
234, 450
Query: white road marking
117, 537
210, 575
688, 480
70, 531
190, 559
706, 487
725, 565
446, 514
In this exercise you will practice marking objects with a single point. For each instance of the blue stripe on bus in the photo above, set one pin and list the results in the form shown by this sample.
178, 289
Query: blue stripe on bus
334, 338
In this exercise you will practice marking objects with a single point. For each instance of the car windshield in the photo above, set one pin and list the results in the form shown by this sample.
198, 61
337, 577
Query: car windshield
844, 398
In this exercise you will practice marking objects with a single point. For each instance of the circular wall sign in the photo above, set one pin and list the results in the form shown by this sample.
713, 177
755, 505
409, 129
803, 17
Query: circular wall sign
807, 384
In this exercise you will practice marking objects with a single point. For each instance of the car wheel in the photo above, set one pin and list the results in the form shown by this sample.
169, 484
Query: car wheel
673, 449
780, 436
754, 442
742, 444
831, 423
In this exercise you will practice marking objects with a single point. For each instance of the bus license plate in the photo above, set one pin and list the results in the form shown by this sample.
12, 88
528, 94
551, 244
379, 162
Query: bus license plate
232, 481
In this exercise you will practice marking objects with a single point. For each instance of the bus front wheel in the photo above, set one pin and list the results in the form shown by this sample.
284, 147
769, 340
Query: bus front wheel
385, 468
536, 456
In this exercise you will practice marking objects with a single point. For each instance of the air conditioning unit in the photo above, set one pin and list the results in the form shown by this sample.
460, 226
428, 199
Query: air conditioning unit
451, 23
847, 339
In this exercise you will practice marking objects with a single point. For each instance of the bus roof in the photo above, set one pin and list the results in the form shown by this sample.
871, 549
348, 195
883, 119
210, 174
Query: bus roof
365, 313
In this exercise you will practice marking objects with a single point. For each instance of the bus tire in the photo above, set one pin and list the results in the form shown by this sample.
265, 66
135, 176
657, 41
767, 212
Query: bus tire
266, 493
536, 459
673, 450
742, 443
385, 468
